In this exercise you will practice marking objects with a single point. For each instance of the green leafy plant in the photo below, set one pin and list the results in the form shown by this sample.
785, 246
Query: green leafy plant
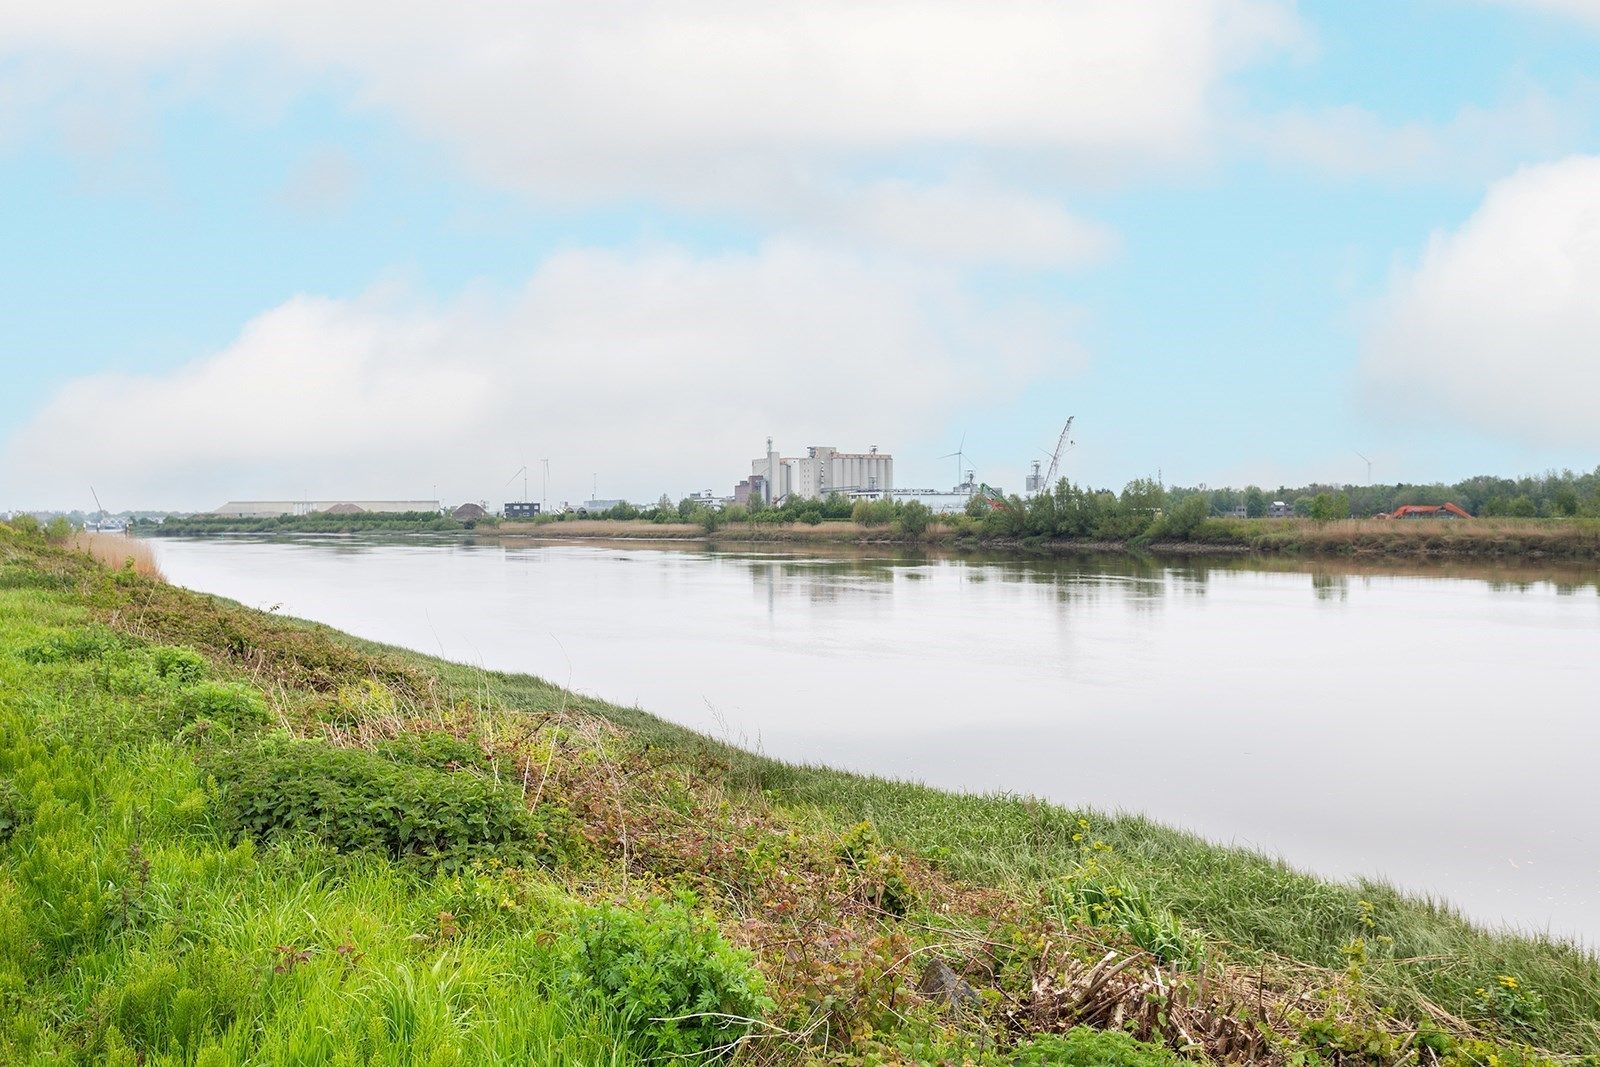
882, 879
1083, 1047
1510, 1003
179, 665
228, 703
354, 800
667, 971
1094, 899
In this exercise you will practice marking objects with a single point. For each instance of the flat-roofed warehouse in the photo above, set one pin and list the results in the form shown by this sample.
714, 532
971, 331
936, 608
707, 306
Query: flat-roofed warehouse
271, 509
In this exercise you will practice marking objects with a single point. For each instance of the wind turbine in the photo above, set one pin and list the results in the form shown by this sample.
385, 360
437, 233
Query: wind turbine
960, 456
1369, 466
544, 488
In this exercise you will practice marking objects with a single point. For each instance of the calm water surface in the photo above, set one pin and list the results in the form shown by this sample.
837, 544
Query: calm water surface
1438, 728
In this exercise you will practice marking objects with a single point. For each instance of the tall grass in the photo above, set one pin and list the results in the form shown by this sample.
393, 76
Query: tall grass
117, 551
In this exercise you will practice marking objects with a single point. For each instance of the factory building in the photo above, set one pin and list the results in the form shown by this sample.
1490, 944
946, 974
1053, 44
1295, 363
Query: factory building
822, 471
269, 509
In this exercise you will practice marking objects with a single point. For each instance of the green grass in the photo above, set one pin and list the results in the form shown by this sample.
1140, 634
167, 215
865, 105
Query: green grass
228, 838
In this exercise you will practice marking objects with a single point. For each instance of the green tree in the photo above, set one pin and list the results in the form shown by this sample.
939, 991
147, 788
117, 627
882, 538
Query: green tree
1255, 502
1183, 519
1564, 501
1325, 507
914, 519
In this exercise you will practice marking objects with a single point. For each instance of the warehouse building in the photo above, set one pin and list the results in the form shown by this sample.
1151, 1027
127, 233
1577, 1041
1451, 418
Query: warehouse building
822, 471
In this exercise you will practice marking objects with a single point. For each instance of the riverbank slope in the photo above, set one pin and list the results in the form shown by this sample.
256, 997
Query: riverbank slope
228, 836
1489, 539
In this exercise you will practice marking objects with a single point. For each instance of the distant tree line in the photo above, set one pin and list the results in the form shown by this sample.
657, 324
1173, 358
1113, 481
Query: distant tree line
1551, 495
1143, 510
315, 522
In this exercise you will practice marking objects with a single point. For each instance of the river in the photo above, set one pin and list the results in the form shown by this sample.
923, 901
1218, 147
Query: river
1435, 727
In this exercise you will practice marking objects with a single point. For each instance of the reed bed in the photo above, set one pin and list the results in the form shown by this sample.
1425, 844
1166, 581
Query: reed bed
117, 551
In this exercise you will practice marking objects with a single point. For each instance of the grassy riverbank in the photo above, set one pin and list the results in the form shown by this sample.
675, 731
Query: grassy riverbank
227, 837
1489, 539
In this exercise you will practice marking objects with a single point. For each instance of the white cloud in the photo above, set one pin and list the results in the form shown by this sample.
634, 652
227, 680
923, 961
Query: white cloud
1582, 9
719, 104
1475, 145
647, 369
961, 222
1499, 324
567, 94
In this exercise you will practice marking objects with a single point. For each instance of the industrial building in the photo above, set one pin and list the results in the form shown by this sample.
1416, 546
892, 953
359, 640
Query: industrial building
271, 509
822, 471
520, 509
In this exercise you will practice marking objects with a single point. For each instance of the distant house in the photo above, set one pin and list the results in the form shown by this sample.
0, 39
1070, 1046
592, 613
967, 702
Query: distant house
470, 513
1430, 511
1279, 510
521, 509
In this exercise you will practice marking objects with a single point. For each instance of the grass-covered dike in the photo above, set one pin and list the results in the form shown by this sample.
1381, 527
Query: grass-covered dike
228, 837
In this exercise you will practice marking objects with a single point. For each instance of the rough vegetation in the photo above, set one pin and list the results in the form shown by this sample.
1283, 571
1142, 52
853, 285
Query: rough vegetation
228, 837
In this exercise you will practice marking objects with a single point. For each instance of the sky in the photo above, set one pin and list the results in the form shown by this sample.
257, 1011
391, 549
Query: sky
294, 250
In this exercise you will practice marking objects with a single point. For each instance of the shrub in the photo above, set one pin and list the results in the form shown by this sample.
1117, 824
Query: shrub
1083, 1047
225, 702
182, 666
355, 800
914, 519
667, 972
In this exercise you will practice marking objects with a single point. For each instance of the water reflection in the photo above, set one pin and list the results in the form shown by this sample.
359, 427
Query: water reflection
1435, 724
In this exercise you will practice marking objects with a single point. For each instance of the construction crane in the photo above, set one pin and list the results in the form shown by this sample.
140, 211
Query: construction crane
522, 470
1062, 444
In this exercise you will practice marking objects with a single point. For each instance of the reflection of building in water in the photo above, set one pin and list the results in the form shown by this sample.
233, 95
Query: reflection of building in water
822, 471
